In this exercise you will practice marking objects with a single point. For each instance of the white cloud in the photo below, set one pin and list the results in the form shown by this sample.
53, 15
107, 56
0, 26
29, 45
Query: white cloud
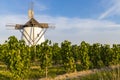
73, 29
39, 6
12, 20
114, 9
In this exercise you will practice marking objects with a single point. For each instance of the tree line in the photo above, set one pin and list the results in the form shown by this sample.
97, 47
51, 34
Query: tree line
17, 56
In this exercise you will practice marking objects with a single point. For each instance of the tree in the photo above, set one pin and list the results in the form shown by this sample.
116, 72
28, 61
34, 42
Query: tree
95, 56
115, 57
106, 54
45, 56
75, 52
67, 57
17, 58
84, 57
56, 55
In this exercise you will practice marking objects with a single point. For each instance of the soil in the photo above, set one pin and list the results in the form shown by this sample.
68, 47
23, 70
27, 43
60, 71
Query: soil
79, 74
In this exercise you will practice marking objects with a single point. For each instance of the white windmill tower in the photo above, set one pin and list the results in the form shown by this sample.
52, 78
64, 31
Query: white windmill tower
32, 31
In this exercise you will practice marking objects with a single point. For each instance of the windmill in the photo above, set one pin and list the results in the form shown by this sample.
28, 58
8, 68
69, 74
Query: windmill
32, 31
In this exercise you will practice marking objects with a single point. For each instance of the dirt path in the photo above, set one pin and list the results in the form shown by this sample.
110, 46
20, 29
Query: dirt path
79, 74
71, 75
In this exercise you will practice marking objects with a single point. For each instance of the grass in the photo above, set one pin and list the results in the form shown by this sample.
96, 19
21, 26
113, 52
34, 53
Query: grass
35, 74
106, 74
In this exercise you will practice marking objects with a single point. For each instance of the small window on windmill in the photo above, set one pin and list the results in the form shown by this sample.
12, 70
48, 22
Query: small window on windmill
37, 35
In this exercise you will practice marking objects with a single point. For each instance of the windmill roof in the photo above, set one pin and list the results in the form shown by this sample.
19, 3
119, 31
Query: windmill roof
31, 23
34, 23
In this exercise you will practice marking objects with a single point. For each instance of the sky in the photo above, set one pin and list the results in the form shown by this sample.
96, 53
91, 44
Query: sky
93, 21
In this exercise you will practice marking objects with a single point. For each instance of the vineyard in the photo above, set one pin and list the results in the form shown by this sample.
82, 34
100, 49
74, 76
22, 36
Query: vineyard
51, 59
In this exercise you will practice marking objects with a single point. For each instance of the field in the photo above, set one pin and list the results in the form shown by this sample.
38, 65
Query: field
19, 61
107, 73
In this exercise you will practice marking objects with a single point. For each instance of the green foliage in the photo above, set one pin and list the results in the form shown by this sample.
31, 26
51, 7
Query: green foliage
75, 51
106, 54
95, 56
16, 58
84, 58
52, 58
56, 55
45, 56
115, 56
5, 75
67, 56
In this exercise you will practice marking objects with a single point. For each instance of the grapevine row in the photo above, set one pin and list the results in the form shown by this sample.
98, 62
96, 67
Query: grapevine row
18, 57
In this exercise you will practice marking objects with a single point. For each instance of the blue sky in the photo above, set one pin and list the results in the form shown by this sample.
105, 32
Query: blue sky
67, 8
75, 20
